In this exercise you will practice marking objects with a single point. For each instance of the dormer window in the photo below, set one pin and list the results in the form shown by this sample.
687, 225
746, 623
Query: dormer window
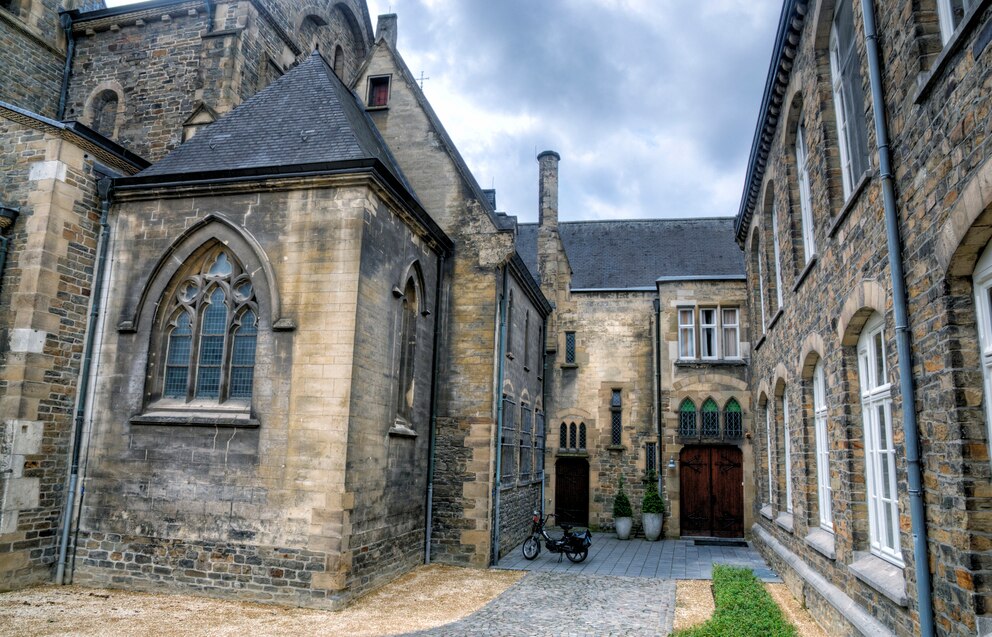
378, 92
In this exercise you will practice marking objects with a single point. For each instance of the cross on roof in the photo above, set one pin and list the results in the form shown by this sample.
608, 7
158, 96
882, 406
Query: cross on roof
421, 80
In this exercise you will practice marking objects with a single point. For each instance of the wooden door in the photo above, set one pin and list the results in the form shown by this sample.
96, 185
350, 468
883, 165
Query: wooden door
572, 491
711, 491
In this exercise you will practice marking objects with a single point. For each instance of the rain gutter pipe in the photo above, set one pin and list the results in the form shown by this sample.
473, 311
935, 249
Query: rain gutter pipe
65, 19
657, 386
104, 187
499, 414
899, 306
432, 447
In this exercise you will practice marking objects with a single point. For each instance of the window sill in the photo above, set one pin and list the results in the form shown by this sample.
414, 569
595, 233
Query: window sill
766, 512
823, 542
778, 314
175, 418
616, 448
569, 365
401, 429
377, 108
928, 79
761, 341
851, 201
714, 362
785, 521
885, 577
805, 273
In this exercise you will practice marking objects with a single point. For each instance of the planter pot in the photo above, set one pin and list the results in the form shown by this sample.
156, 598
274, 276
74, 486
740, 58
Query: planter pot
623, 527
652, 525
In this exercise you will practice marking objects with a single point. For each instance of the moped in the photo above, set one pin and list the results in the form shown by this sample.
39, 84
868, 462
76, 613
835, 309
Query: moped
575, 546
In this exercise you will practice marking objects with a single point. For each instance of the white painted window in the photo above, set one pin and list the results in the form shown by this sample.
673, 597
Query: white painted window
707, 333
768, 448
880, 457
822, 448
845, 75
730, 323
778, 256
805, 199
687, 333
983, 308
787, 444
761, 292
950, 13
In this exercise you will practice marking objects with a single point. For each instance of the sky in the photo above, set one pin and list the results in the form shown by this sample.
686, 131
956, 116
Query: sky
651, 104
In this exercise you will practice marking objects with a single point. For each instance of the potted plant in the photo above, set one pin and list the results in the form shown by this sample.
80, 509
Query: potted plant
623, 515
652, 510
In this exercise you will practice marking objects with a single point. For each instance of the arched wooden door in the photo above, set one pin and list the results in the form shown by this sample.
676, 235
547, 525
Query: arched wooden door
572, 491
711, 487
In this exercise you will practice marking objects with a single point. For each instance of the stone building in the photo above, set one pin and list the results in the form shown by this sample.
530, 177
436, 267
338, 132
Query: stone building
649, 331
865, 222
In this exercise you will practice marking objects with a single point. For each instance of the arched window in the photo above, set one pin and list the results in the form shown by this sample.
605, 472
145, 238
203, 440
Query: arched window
104, 108
880, 453
408, 353
757, 272
710, 419
210, 334
805, 198
582, 435
787, 452
849, 99
339, 62
777, 253
733, 420
687, 419
563, 436
768, 448
822, 448
982, 280
572, 441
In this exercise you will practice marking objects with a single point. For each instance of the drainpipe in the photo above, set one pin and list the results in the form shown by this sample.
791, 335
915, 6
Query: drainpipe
7, 218
499, 415
210, 15
104, 188
65, 19
656, 351
544, 401
432, 447
916, 511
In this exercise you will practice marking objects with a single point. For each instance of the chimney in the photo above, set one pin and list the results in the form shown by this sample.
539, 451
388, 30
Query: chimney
548, 189
490, 194
386, 28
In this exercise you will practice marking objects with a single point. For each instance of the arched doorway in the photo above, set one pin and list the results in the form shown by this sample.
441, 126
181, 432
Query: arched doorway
572, 491
711, 480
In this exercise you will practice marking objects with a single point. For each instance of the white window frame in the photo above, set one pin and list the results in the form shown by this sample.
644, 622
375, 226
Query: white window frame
761, 290
880, 465
778, 256
805, 198
768, 433
788, 454
837, 81
687, 333
823, 489
712, 329
945, 15
726, 327
982, 279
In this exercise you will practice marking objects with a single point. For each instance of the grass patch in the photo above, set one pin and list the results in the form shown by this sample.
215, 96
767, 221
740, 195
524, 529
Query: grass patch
743, 608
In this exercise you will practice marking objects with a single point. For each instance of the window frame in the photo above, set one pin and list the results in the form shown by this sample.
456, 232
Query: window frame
768, 450
736, 326
508, 443
982, 291
374, 82
787, 448
683, 416
570, 347
946, 20
777, 248
687, 348
540, 444
616, 417
876, 398
845, 79
713, 329
805, 194
823, 489
526, 446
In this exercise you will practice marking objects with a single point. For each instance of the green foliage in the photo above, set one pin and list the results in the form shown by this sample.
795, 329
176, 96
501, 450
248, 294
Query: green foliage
621, 504
743, 608
652, 502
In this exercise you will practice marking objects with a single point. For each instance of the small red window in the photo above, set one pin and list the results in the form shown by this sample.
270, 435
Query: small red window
378, 91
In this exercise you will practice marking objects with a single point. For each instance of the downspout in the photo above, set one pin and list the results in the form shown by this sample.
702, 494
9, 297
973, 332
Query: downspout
656, 351
210, 15
104, 187
65, 19
501, 355
899, 306
544, 401
432, 447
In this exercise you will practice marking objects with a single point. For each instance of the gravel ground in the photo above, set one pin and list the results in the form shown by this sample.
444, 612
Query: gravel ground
794, 611
428, 597
693, 603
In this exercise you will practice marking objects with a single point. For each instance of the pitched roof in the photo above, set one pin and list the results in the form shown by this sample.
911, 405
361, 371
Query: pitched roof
307, 116
637, 253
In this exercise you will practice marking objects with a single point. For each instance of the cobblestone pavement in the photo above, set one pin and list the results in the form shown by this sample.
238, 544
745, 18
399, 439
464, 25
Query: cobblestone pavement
667, 559
565, 604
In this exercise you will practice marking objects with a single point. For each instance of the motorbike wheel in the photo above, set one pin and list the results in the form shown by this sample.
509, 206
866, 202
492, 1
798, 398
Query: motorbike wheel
531, 548
577, 556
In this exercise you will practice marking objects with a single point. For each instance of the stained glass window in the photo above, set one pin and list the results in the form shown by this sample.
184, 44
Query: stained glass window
687, 419
733, 420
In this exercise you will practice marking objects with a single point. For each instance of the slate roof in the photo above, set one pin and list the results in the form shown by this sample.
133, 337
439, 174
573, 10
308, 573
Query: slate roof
635, 254
307, 116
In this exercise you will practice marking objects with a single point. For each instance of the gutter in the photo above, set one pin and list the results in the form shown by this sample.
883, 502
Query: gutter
65, 19
656, 350
432, 446
917, 514
105, 189
499, 417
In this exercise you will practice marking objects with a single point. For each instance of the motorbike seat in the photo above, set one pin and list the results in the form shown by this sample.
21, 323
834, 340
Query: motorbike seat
566, 527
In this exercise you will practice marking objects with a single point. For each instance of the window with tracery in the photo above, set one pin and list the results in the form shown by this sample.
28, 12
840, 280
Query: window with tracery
210, 332
687, 419
711, 419
733, 420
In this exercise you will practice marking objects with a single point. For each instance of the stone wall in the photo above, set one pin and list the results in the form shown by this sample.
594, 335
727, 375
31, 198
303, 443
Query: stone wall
28, 44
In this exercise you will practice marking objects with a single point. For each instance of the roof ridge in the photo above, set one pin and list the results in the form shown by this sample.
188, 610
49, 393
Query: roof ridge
636, 220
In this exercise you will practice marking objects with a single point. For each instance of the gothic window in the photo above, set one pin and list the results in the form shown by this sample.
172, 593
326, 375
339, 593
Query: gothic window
563, 436
104, 108
687, 333
406, 384
710, 419
570, 348
339, 62
582, 435
845, 74
616, 417
526, 441
733, 420
950, 13
508, 443
572, 437
822, 448
210, 332
687, 419
378, 92
805, 198
707, 333
880, 454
